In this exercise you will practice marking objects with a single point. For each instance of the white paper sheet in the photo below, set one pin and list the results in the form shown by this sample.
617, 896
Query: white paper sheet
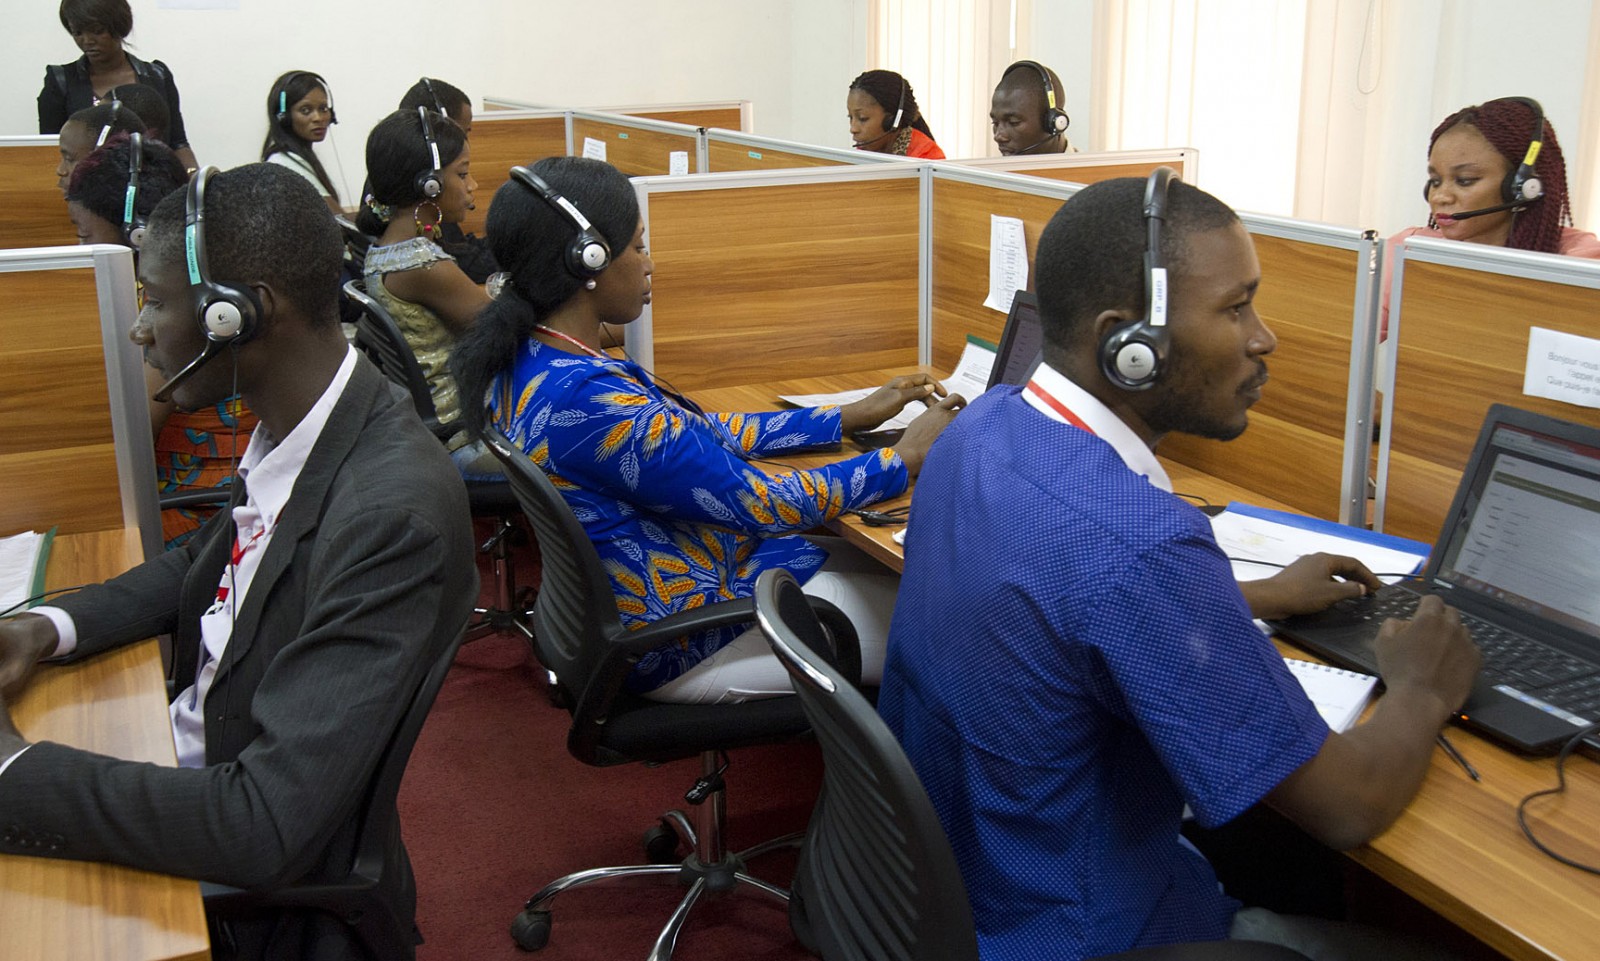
898, 421
971, 375
1244, 538
1562, 367
594, 149
1008, 262
678, 163
19, 558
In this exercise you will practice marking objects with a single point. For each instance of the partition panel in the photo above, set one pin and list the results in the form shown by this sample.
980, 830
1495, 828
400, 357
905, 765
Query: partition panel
637, 147
504, 139
762, 277
1460, 317
729, 150
1088, 168
75, 445
36, 216
729, 114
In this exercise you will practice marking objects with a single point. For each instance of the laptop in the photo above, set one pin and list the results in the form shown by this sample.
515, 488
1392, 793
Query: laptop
1020, 352
1519, 557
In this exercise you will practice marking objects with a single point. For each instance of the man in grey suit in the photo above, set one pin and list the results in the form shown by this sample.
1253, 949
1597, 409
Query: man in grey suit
302, 621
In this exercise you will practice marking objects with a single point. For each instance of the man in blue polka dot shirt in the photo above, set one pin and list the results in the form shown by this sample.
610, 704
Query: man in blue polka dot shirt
1071, 661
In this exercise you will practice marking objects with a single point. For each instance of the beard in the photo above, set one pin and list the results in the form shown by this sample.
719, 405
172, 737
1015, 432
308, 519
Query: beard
1188, 403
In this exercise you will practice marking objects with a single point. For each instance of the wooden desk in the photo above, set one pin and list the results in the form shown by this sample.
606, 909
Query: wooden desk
1457, 848
72, 910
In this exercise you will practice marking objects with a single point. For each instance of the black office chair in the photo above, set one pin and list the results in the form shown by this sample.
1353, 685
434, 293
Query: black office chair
877, 880
379, 337
356, 899
581, 639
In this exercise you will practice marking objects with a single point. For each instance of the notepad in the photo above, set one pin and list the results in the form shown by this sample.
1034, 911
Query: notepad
22, 560
1340, 695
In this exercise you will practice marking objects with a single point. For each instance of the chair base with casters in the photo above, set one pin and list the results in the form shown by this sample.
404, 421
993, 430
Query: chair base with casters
582, 641
709, 868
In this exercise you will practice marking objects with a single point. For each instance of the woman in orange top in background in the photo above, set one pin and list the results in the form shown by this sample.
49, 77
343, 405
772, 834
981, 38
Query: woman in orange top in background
885, 118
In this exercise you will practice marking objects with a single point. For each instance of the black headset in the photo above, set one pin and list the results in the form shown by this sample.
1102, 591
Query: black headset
283, 98
134, 223
587, 254
227, 314
434, 94
899, 108
1522, 185
430, 182
1132, 355
110, 124
1054, 120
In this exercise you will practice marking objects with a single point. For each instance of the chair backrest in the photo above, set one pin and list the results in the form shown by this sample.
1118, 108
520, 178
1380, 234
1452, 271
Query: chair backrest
576, 620
356, 243
379, 337
877, 878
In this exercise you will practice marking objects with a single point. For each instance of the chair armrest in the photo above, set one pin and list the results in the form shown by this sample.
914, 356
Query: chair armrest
845, 656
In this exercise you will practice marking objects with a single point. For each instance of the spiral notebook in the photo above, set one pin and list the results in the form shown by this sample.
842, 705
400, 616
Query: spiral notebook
1340, 695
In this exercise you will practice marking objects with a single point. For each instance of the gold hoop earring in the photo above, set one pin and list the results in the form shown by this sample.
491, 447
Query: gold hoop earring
427, 229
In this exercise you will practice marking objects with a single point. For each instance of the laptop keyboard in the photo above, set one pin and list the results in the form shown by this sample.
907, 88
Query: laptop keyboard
1510, 658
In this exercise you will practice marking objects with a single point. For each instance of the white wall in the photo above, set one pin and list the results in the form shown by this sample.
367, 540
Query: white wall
792, 58
1063, 39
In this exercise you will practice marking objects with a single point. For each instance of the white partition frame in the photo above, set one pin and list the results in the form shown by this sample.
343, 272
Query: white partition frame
641, 123
640, 340
746, 108
130, 408
29, 140
1551, 268
530, 114
841, 155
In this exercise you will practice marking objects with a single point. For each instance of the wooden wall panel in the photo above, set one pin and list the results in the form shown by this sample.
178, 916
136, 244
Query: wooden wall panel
36, 215
961, 259
1462, 346
758, 284
57, 458
500, 143
728, 118
635, 151
724, 157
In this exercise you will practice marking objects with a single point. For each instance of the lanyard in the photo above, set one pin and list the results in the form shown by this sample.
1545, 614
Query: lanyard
1054, 403
551, 331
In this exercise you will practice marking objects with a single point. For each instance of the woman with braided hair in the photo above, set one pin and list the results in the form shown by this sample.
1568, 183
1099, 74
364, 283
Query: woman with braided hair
1479, 191
885, 118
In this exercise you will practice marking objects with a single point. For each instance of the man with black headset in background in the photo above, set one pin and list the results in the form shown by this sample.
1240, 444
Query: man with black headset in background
1025, 113
1071, 661
303, 621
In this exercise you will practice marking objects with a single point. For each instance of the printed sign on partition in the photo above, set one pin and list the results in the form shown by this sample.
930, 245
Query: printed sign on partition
1562, 367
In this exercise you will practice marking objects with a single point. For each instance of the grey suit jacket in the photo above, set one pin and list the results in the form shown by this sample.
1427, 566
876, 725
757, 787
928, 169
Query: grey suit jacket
368, 576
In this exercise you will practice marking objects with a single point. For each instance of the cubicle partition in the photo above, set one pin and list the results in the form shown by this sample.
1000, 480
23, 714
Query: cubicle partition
1309, 440
36, 216
505, 138
638, 147
766, 276
1088, 168
1459, 321
1317, 295
75, 445
729, 114
730, 150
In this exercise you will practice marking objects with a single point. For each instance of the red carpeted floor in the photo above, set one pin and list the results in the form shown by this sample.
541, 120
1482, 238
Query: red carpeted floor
494, 807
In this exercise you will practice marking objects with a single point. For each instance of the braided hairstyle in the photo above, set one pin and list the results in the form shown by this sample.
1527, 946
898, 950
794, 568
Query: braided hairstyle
528, 237
1507, 124
887, 88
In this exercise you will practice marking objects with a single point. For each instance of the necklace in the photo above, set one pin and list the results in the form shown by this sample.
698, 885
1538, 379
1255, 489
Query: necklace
551, 331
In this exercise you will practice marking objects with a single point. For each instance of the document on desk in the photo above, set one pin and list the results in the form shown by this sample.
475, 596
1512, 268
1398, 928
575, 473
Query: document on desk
1338, 694
1277, 538
968, 380
22, 561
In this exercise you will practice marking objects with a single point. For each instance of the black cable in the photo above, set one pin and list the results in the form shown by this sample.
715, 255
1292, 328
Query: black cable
39, 597
883, 518
1193, 497
1561, 785
1254, 560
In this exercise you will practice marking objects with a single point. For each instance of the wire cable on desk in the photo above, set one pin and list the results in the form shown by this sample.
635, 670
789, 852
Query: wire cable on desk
1280, 566
16, 608
883, 518
1561, 785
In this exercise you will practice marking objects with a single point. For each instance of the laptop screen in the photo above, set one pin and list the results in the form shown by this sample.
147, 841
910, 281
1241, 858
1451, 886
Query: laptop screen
1021, 344
1526, 531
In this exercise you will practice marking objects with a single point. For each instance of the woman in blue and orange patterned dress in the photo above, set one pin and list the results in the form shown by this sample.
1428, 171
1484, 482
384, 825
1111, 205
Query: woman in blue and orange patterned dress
678, 515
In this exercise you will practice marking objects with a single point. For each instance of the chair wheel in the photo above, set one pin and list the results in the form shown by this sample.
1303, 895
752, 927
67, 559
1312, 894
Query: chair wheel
661, 844
531, 930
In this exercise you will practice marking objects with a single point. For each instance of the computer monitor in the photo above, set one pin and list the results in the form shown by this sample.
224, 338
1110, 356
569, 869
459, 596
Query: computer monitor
1021, 344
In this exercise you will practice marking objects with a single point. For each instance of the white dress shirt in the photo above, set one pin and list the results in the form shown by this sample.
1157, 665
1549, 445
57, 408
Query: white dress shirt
1049, 384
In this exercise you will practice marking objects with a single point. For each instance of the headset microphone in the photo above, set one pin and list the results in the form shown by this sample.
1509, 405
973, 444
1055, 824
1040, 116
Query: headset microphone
1512, 205
212, 349
875, 141
1037, 143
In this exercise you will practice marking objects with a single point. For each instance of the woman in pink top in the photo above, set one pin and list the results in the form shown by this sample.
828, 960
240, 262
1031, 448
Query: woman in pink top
1481, 163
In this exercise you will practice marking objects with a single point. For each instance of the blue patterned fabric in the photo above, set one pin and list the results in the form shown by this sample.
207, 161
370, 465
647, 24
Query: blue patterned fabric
679, 517
1070, 662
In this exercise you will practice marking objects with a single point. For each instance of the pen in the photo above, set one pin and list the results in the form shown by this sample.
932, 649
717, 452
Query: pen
1455, 755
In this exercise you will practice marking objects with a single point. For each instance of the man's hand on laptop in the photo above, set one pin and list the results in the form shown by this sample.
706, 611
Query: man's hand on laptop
1431, 654
1310, 584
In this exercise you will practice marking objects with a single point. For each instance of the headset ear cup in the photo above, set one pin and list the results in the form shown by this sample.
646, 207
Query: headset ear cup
1131, 355
227, 314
